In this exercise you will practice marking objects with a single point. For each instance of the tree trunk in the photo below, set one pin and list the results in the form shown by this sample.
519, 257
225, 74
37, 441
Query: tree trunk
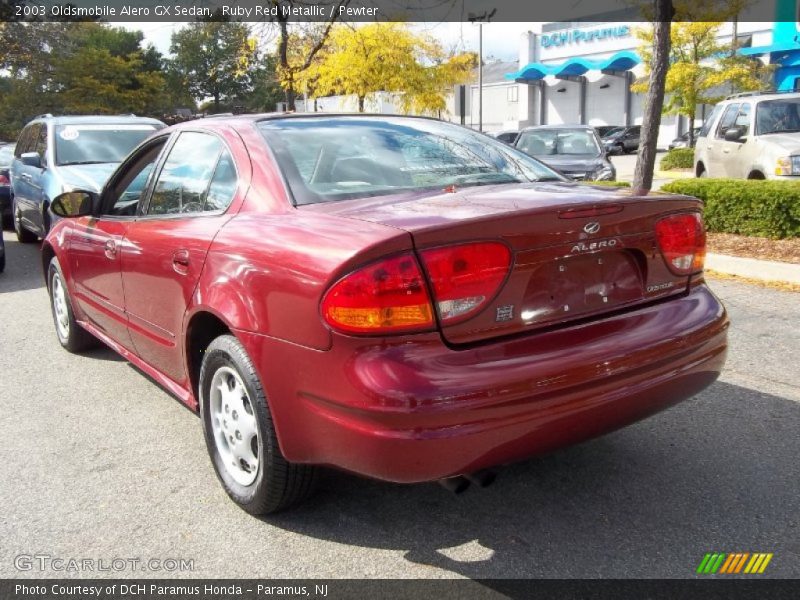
691, 129
361, 104
654, 101
291, 95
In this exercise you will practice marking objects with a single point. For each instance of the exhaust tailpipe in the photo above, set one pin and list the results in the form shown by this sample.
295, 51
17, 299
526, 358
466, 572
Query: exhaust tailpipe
456, 485
483, 478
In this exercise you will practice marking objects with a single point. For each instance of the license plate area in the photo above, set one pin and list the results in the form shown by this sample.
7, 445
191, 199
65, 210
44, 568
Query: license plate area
575, 286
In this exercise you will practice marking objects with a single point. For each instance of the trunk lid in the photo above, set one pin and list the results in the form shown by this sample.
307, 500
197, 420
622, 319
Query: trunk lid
577, 251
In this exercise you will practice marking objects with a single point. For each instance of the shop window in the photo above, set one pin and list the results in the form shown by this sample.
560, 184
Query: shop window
513, 93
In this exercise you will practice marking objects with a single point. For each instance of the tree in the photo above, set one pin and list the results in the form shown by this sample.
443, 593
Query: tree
700, 67
387, 57
297, 48
214, 58
71, 68
662, 11
94, 81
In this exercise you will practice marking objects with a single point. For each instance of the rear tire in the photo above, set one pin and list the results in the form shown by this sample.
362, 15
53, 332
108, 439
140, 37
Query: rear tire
240, 435
24, 236
71, 335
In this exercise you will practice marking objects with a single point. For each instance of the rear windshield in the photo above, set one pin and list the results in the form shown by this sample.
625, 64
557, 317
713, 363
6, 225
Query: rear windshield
559, 142
326, 159
88, 143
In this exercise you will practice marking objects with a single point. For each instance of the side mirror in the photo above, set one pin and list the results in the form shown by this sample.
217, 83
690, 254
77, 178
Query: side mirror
733, 134
31, 159
78, 203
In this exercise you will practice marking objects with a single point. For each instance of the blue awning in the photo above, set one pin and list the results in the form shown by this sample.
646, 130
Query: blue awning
782, 47
621, 61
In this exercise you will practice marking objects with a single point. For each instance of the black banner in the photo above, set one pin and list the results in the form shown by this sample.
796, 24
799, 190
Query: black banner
463, 589
348, 10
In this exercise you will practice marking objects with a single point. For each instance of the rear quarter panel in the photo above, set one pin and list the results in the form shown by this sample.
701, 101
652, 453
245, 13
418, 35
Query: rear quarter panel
267, 273
270, 265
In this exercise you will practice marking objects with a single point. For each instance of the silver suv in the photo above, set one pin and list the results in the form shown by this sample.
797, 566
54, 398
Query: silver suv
58, 154
751, 136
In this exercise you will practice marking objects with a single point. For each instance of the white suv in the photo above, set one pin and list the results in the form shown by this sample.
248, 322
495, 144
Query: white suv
751, 136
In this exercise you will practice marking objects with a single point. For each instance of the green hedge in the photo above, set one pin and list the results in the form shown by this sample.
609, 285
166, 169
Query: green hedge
746, 207
608, 183
678, 158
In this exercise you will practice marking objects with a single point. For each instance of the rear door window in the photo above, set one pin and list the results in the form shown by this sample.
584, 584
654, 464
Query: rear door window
709, 122
198, 175
27, 140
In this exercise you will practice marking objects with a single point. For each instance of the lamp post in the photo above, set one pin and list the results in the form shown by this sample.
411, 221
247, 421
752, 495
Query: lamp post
480, 19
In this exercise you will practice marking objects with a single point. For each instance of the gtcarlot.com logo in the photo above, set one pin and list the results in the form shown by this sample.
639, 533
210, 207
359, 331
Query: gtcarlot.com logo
734, 563
49, 562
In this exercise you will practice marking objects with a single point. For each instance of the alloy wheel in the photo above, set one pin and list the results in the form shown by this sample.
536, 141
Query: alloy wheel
233, 422
60, 306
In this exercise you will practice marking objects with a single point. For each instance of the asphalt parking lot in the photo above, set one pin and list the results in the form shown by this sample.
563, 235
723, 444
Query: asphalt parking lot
98, 462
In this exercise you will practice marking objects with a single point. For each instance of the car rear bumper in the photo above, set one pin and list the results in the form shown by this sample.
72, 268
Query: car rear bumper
417, 410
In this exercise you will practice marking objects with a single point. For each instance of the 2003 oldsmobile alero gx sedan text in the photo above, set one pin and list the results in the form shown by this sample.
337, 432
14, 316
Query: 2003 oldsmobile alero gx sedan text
394, 296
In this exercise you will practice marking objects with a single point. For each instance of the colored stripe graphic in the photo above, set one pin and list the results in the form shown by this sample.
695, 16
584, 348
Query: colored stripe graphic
727, 565
740, 564
764, 564
734, 563
703, 563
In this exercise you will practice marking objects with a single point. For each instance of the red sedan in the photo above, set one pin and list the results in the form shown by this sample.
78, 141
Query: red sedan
394, 296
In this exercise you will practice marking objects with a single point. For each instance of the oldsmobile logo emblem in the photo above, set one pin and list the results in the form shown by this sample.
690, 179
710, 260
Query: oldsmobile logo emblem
592, 227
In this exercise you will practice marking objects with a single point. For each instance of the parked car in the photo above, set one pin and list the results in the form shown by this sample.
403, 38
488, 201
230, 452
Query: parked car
320, 300
6, 157
574, 150
602, 130
682, 141
751, 136
57, 154
508, 137
622, 139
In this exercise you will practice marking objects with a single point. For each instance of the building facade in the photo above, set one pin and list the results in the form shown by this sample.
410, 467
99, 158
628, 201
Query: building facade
581, 73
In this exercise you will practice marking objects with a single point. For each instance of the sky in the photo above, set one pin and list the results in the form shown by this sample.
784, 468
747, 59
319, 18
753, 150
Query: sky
500, 40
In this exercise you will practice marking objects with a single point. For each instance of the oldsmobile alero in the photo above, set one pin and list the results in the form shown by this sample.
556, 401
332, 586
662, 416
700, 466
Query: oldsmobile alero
394, 296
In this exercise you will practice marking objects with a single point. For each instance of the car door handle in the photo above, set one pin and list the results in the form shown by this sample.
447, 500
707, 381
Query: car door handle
180, 261
111, 249
25, 177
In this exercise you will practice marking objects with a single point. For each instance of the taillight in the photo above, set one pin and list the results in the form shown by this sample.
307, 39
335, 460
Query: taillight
4, 180
388, 296
682, 240
465, 277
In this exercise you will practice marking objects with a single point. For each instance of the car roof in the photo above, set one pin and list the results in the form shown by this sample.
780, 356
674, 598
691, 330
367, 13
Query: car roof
111, 119
565, 126
759, 96
241, 120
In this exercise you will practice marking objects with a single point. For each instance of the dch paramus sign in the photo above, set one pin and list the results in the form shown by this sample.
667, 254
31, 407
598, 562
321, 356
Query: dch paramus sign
578, 36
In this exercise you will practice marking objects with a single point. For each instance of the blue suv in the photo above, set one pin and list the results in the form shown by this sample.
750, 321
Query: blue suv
58, 154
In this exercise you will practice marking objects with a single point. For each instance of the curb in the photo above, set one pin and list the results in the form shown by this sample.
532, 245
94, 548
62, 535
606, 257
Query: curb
765, 270
673, 174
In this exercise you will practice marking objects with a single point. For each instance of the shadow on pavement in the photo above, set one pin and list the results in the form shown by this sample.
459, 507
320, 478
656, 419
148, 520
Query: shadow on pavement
717, 473
23, 266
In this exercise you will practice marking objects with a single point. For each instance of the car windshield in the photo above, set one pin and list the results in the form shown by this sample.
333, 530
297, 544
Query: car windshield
6, 154
337, 158
558, 142
778, 116
89, 143
613, 132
